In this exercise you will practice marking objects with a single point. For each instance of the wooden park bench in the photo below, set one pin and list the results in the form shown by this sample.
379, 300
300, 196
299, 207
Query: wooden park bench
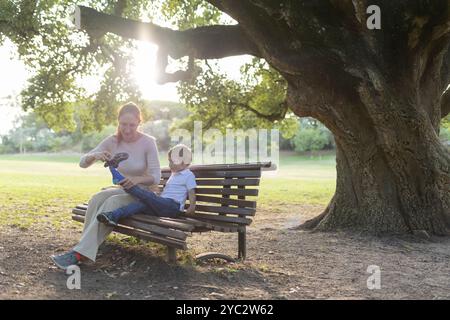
226, 202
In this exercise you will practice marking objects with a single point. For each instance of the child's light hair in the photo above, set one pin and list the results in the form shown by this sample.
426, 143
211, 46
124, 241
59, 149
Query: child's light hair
180, 154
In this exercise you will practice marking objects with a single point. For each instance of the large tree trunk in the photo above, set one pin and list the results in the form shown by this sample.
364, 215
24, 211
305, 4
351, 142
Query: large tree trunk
373, 196
393, 173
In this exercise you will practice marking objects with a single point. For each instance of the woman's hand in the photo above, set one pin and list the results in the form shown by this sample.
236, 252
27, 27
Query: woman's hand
128, 183
102, 156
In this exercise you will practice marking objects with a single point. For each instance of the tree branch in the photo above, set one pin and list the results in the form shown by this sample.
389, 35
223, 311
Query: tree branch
209, 42
164, 77
271, 117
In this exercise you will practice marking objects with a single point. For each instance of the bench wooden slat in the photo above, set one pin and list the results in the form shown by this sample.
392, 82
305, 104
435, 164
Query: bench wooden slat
227, 182
144, 235
214, 217
225, 210
209, 225
227, 166
144, 225
222, 174
236, 192
162, 222
223, 226
231, 202
197, 223
176, 234
224, 191
221, 182
184, 223
79, 212
165, 222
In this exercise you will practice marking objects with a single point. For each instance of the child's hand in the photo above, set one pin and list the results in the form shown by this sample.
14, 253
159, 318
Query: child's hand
190, 210
192, 199
128, 183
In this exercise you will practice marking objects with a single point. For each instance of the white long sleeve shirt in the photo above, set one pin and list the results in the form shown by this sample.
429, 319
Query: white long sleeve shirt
143, 156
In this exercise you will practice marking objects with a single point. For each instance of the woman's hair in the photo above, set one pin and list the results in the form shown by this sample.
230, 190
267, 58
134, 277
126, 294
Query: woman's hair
131, 108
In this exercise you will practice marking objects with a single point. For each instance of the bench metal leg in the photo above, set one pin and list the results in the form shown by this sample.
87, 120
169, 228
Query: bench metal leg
242, 251
171, 254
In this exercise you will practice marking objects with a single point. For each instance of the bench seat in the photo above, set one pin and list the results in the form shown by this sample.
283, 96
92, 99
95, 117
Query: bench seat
226, 202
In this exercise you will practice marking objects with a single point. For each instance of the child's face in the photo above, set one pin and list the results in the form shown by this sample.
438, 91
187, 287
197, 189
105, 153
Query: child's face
177, 167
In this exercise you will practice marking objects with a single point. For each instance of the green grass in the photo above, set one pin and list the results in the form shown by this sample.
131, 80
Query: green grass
276, 192
49, 157
299, 180
40, 190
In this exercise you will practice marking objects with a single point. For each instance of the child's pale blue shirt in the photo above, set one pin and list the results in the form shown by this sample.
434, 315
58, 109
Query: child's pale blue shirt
178, 186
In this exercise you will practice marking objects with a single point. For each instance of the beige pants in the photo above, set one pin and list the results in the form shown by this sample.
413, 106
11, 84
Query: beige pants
94, 233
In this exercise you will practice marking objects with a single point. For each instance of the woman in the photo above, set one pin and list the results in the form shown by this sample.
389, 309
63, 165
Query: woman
141, 168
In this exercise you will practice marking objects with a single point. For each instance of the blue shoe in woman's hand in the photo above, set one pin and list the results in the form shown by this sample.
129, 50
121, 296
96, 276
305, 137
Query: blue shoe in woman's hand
116, 159
114, 163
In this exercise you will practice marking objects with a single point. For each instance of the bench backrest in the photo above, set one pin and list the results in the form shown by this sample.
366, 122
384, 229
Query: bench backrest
225, 193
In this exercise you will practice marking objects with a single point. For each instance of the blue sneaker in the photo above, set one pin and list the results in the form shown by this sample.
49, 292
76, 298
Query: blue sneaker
107, 218
66, 260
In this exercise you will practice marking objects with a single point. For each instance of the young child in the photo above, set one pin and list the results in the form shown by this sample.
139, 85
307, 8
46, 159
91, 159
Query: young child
180, 186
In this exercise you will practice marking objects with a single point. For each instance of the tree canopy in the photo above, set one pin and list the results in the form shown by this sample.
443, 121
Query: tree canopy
61, 56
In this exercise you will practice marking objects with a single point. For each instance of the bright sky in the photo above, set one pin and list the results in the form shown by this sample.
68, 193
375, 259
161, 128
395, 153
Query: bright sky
12, 80
14, 76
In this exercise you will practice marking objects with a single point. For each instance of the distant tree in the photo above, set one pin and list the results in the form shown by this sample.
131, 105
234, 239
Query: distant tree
310, 140
312, 136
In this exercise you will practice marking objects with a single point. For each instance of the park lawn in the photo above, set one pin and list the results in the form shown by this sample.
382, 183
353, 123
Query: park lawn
43, 192
44, 157
277, 192
40, 190
299, 180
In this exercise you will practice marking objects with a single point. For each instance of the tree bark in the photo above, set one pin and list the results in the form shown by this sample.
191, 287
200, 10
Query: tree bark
393, 173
